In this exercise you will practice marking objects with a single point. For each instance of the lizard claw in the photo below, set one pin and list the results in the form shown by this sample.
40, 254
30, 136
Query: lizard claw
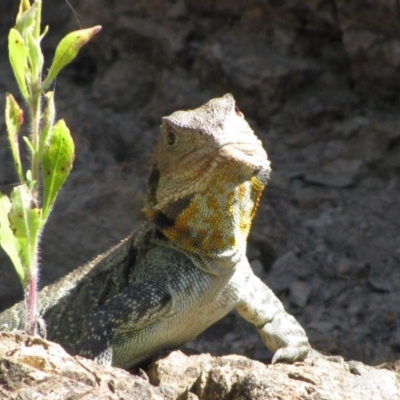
316, 354
291, 354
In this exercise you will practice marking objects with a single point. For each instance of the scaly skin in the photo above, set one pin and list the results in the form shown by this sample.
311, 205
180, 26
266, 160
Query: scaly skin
186, 267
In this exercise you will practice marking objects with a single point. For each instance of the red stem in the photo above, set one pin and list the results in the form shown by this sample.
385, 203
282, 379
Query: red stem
31, 302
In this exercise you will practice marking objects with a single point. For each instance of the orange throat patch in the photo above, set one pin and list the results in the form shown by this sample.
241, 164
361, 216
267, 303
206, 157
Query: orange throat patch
215, 222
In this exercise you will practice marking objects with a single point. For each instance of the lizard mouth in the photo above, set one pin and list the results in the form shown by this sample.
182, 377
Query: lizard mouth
249, 154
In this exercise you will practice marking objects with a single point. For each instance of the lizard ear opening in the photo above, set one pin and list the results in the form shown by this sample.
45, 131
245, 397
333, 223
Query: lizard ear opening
152, 185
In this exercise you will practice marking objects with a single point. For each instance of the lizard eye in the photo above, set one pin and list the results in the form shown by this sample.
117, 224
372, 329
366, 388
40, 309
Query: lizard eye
172, 138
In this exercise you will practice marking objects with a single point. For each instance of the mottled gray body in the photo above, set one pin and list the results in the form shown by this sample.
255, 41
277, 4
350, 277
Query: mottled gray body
186, 267
163, 301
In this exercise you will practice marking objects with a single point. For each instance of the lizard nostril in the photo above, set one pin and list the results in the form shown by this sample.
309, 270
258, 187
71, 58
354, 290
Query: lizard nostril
262, 174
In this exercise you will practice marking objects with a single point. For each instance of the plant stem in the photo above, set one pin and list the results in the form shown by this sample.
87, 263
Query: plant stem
31, 293
35, 107
30, 296
35, 110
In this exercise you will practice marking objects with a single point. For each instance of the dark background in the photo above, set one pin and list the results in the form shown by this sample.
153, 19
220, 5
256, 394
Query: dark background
318, 80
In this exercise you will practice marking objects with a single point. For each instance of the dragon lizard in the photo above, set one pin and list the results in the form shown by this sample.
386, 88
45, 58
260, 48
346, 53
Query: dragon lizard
186, 267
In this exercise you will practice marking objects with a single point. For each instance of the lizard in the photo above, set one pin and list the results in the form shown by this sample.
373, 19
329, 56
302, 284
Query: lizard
186, 267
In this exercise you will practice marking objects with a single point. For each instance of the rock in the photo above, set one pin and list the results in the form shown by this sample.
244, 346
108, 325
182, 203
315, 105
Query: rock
109, 90
267, 235
258, 268
235, 377
310, 197
350, 168
284, 272
327, 179
379, 285
393, 366
323, 221
348, 267
299, 293
278, 180
33, 368
316, 104
373, 53
177, 10
251, 64
165, 39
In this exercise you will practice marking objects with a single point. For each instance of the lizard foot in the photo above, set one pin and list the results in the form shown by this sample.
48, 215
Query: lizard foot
291, 354
300, 353
316, 354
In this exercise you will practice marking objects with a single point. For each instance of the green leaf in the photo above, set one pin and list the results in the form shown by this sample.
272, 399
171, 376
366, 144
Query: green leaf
26, 19
25, 221
48, 121
29, 144
8, 241
14, 117
56, 164
18, 56
24, 6
68, 49
35, 56
29, 181
29, 175
44, 33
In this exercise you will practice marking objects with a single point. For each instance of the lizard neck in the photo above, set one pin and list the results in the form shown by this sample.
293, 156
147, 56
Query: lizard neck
214, 223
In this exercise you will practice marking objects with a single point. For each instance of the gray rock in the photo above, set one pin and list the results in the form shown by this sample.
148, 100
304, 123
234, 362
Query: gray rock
257, 268
299, 293
310, 197
327, 179
284, 272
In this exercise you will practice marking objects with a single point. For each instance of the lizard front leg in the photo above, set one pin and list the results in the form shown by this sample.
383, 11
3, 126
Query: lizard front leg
132, 309
279, 330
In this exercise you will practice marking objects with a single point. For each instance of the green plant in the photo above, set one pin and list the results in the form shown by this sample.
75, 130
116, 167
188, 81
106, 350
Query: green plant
50, 145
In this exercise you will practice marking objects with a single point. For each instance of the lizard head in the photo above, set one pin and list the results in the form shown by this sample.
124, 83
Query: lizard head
207, 177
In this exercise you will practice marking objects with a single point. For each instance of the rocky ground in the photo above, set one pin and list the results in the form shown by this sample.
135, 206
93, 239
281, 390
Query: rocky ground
34, 369
319, 82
